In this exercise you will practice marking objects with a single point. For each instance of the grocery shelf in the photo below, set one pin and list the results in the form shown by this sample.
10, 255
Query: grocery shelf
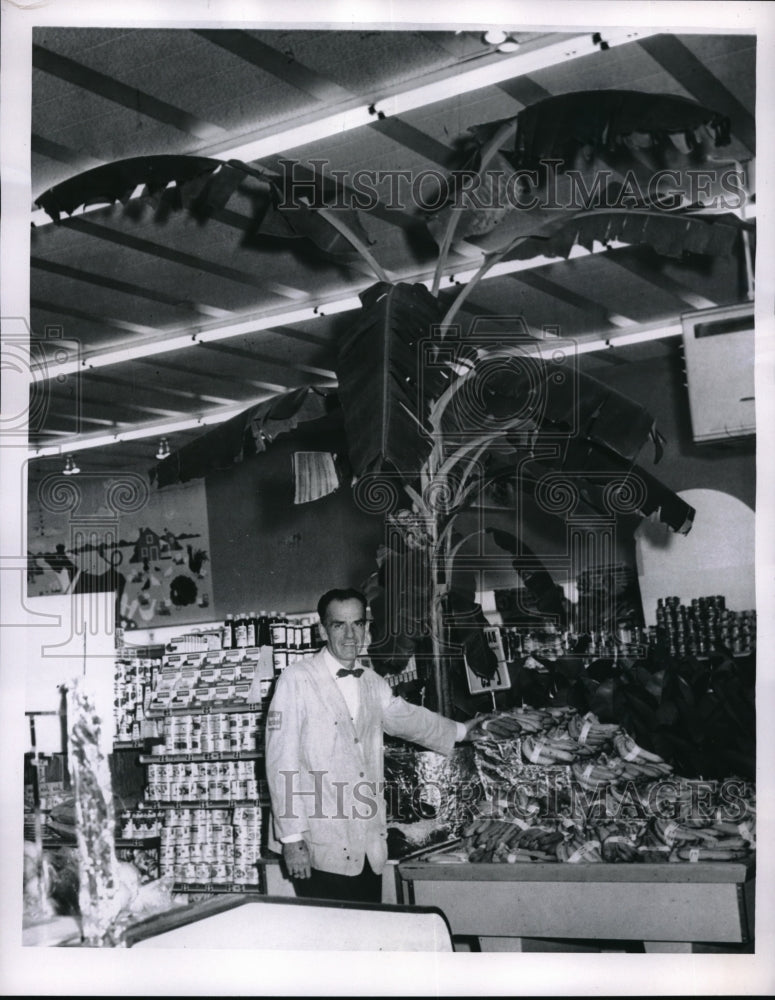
195, 756
150, 843
140, 744
212, 887
208, 804
208, 708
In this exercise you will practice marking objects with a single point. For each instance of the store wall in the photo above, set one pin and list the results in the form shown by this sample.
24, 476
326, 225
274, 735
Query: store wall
269, 553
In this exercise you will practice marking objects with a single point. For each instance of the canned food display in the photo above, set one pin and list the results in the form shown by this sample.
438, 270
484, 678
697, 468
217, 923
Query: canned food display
208, 834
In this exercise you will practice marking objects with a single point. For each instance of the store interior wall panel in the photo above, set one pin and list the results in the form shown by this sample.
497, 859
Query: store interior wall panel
268, 553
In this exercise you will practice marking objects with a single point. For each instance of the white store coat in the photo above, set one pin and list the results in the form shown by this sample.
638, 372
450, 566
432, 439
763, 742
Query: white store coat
325, 772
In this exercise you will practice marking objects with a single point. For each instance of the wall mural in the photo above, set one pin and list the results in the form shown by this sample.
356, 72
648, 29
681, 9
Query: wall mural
101, 533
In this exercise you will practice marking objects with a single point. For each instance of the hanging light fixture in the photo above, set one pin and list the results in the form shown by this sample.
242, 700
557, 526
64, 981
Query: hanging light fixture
70, 469
163, 450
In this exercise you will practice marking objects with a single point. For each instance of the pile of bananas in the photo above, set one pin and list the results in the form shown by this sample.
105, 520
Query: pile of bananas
591, 775
531, 836
507, 725
722, 840
576, 849
552, 747
638, 763
619, 840
490, 839
614, 801
589, 732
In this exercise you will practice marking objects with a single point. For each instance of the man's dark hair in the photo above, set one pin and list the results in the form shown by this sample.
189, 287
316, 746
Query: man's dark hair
346, 594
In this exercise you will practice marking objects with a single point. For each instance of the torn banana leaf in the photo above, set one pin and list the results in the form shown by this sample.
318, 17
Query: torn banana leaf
384, 391
400, 607
203, 186
671, 235
576, 152
245, 434
115, 182
608, 120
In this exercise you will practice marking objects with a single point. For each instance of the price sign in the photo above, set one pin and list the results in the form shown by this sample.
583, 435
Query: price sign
500, 681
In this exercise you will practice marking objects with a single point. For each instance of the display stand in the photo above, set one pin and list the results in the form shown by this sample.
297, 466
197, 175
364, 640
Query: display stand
667, 907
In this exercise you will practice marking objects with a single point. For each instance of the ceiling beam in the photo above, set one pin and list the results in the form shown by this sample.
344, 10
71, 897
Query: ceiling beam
641, 269
126, 287
212, 374
63, 154
158, 391
540, 283
250, 49
680, 62
98, 319
276, 320
417, 141
110, 89
524, 90
265, 359
90, 228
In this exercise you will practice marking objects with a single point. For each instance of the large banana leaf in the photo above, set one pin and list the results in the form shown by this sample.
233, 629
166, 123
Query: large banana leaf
202, 186
248, 433
669, 234
116, 181
384, 386
580, 411
609, 120
615, 144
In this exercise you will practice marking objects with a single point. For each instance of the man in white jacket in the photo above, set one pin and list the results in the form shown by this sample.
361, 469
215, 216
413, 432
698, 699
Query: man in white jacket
324, 758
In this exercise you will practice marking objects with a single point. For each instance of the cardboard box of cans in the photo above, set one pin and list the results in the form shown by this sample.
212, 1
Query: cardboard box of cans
223, 676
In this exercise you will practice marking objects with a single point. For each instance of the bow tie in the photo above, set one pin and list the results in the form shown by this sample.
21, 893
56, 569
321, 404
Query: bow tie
355, 672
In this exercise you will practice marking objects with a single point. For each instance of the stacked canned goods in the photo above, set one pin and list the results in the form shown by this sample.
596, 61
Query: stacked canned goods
218, 732
703, 626
134, 680
202, 781
197, 846
247, 844
140, 823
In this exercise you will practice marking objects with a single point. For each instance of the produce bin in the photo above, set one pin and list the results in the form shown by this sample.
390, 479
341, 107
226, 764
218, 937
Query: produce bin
668, 907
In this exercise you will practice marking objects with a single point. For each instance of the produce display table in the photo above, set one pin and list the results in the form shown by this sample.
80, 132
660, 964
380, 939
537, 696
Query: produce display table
668, 907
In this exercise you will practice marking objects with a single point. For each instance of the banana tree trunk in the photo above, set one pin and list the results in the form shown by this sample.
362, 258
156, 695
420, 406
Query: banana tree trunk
439, 635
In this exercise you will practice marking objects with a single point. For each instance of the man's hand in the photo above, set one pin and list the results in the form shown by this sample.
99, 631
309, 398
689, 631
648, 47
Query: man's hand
297, 859
473, 730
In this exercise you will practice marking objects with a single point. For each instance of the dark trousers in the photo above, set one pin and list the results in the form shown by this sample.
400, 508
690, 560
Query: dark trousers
363, 888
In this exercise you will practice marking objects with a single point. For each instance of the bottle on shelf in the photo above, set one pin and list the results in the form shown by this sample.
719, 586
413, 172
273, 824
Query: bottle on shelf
227, 633
279, 631
250, 626
263, 635
241, 630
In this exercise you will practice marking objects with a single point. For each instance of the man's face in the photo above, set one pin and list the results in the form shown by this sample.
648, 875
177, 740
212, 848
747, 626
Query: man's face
344, 629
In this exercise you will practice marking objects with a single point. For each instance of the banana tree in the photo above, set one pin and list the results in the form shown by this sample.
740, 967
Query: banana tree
574, 169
